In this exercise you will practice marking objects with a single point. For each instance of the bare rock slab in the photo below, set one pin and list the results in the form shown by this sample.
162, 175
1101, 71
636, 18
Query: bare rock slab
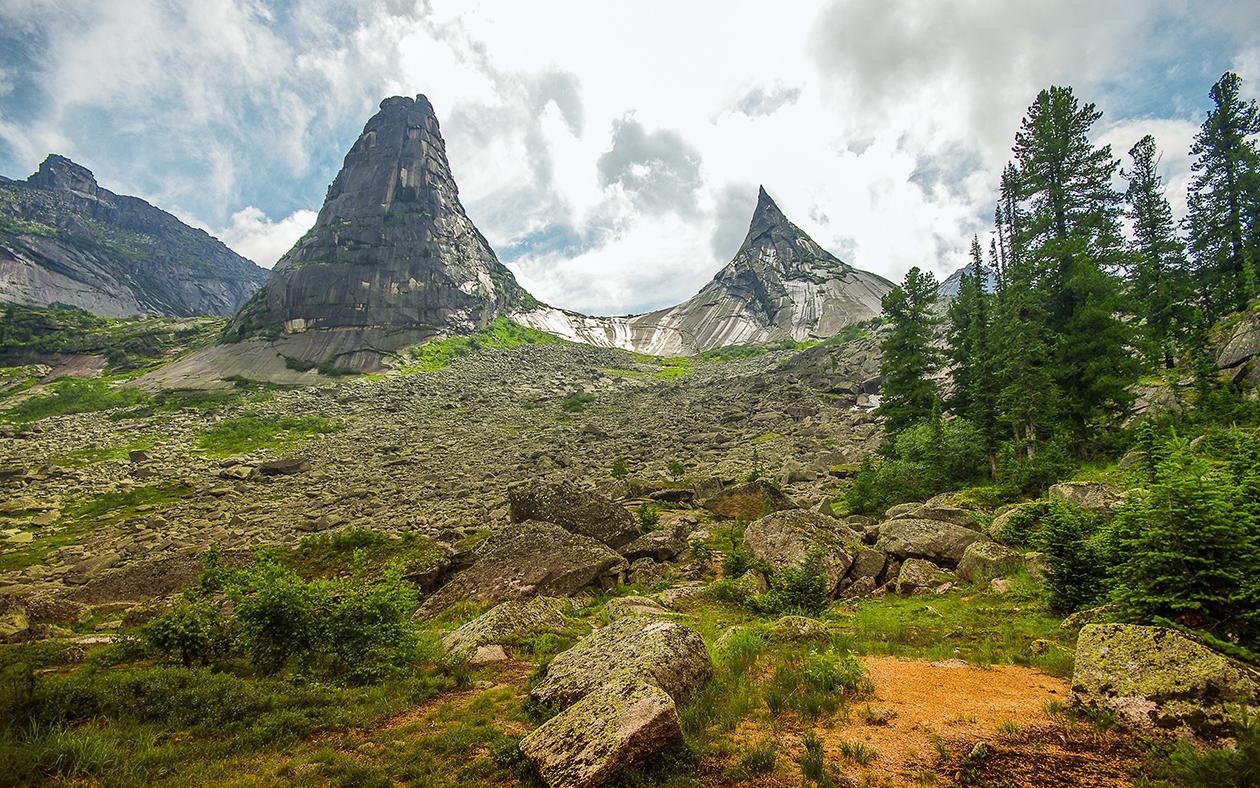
616, 726
1161, 682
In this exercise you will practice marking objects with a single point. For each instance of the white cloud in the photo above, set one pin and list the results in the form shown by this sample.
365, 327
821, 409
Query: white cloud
251, 234
879, 126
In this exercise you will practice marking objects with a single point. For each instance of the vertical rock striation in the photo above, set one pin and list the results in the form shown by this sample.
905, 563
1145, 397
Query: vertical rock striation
392, 260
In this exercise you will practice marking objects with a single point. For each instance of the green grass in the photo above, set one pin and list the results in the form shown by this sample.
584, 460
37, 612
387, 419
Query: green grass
93, 454
70, 395
502, 334
246, 433
340, 553
674, 368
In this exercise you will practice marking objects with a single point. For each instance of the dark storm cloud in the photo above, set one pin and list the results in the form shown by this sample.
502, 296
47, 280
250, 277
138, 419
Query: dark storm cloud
659, 169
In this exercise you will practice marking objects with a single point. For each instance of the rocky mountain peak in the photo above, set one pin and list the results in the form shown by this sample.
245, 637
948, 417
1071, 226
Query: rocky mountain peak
392, 260
61, 174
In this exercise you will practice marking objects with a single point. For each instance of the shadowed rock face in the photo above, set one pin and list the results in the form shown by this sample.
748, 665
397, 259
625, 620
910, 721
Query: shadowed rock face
780, 285
65, 240
392, 259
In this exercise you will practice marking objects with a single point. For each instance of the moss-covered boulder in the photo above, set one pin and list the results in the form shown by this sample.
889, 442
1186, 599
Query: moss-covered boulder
624, 606
1162, 682
935, 511
933, 540
786, 539
985, 560
664, 653
1094, 497
581, 511
748, 501
506, 621
918, 576
615, 726
526, 560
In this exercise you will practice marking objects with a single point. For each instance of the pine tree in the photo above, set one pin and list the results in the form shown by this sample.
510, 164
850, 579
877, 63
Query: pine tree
1069, 238
1158, 256
974, 396
909, 357
1224, 200
1192, 549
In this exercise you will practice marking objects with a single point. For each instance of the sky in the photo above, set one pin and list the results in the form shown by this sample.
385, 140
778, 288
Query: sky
610, 152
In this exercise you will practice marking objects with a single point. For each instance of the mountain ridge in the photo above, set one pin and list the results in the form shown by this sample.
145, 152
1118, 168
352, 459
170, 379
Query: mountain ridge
65, 240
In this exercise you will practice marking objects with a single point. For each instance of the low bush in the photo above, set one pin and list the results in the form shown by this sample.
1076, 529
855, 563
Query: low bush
800, 590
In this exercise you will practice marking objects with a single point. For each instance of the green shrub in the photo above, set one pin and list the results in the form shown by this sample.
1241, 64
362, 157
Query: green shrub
1187, 765
813, 762
619, 470
1077, 570
649, 518
759, 759
1022, 527
800, 590
576, 403
191, 632
816, 684
676, 469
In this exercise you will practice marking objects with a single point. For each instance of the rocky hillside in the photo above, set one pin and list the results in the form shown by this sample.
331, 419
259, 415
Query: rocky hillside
66, 241
781, 285
392, 260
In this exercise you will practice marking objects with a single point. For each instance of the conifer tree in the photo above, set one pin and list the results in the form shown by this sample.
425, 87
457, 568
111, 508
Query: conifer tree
974, 396
1224, 200
1158, 256
1069, 240
909, 357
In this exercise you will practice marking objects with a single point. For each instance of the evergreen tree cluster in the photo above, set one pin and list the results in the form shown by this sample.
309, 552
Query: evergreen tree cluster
1043, 367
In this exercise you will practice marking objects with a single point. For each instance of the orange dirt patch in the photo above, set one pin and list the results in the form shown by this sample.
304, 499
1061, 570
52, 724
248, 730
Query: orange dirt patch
940, 712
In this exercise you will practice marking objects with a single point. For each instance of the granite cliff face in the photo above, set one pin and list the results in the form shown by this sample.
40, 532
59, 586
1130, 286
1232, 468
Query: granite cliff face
392, 260
948, 289
780, 285
65, 240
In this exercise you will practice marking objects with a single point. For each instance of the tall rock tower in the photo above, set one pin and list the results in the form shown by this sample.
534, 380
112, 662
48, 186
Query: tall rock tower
392, 260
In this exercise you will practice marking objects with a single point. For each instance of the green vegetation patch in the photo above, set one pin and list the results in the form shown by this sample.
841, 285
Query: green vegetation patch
362, 550
70, 395
674, 368
249, 432
128, 344
502, 334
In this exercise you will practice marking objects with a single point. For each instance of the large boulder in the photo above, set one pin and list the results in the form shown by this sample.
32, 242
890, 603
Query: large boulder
505, 621
786, 539
581, 511
986, 560
1088, 495
526, 560
917, 575
934, 540
748, 501
663, 545
664, 653
1160, 681
936, 511
613, 727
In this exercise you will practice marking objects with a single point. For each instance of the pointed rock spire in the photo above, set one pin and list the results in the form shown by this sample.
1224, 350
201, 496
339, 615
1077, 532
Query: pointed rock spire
392, 259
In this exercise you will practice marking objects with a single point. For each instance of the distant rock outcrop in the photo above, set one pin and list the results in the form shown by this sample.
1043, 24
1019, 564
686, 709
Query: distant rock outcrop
780, 285
392, 260
66, 241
